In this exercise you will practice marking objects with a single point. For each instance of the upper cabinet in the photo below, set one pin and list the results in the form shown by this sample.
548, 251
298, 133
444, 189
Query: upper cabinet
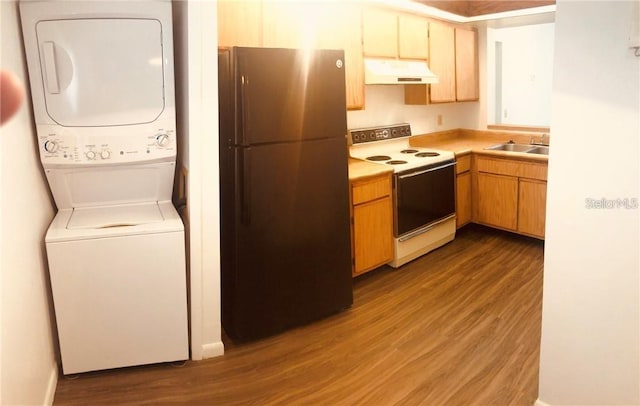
313, 25
442, 62
380, 32
466, 65
453, 57
412, 37
240, 23
388, 34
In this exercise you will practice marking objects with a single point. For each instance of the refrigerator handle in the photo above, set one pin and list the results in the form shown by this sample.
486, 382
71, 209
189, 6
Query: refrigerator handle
244, 109
245, 186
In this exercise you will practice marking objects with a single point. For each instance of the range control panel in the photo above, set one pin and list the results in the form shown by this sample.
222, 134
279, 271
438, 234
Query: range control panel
362, 135
104, 145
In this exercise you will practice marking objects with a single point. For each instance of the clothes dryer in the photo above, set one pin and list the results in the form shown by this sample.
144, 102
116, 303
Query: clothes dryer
102, 88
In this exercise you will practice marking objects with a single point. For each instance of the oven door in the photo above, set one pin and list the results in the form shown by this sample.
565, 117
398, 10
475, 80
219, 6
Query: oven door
423, 196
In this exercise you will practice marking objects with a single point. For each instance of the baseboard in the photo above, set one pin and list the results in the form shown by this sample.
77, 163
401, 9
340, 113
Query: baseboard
51, 387
212, 350
540, 403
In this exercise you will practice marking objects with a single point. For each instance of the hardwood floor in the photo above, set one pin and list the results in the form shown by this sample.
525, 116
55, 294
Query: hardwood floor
459, 326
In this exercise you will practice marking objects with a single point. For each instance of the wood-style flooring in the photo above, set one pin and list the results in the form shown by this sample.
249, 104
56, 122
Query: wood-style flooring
459, 326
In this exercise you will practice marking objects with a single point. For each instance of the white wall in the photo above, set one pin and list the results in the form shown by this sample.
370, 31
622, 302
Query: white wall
384, 105
591, 299
527, 66
29, 369
197, 99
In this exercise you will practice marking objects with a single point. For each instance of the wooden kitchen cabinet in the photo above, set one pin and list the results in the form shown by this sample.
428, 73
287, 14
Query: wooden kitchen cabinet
388, 34
372, 223
240, 23
532, 202
442, 60
380, 32
340, 28
453, 57
510, 194
466, 65
332, 25
413, 33
463, 190
497, 201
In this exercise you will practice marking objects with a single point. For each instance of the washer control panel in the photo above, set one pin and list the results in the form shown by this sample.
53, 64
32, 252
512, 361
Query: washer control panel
60, 145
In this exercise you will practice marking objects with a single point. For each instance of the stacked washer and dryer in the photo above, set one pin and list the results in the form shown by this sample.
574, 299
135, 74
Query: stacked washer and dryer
102, 86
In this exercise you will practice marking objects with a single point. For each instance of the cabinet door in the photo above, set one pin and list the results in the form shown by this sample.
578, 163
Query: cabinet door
379, 32
532, 201
463, 199
372, 234
290, 24
466, 65
340, 28
240, 23
442, 62
497, 203
412, 37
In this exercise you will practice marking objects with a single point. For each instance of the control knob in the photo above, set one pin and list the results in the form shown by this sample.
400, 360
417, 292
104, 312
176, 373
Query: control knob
50, 146
105, 154
91, 155
162, 140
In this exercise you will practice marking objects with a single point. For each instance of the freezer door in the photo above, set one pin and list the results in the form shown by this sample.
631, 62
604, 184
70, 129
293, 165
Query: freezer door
102, 72
288, 95
291, 259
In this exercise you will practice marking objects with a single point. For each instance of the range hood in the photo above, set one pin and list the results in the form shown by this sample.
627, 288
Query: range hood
397, 72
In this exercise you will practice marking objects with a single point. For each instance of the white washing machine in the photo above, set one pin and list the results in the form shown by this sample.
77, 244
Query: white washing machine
102, 87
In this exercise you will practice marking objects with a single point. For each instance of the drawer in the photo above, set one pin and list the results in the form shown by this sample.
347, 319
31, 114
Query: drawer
370, 189
530, 170
463, 163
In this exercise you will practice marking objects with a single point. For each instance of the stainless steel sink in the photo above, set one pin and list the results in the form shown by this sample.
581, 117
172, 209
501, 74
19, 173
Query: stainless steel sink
528, 148
539, 150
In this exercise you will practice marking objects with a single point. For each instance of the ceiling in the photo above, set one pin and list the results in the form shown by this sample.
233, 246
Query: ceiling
472, 8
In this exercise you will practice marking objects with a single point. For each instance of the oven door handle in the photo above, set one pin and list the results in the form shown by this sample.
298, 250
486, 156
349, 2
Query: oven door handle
409, 175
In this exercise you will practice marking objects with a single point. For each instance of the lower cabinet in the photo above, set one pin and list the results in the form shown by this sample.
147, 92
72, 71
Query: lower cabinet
511, 195
532, 198
497, 203
463, 190
372, 223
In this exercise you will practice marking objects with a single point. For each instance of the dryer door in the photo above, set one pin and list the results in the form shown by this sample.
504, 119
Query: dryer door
103, 71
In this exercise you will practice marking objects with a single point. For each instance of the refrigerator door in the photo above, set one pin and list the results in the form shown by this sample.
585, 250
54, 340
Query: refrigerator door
288, 95
290, 260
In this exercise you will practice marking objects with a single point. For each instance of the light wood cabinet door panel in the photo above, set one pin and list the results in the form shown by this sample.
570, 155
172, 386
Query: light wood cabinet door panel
466, 65
442, 62
463, 199
372, 234
497, 200
532, 199
240, 23
413, 37
341, 28
379, 32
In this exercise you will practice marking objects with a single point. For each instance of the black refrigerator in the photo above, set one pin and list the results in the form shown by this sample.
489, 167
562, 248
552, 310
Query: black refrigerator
284, 191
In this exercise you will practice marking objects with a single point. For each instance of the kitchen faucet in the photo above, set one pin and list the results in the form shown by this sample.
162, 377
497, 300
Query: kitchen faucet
542, 141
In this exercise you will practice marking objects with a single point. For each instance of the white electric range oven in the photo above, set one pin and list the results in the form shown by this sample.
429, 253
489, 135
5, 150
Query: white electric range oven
423, 188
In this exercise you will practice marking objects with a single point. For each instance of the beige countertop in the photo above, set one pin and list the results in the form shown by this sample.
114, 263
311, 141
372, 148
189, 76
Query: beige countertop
463, 142
359, 168
460, 142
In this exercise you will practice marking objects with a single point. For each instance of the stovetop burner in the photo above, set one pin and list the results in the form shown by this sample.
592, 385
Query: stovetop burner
391, 146
378, 158
427, 154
